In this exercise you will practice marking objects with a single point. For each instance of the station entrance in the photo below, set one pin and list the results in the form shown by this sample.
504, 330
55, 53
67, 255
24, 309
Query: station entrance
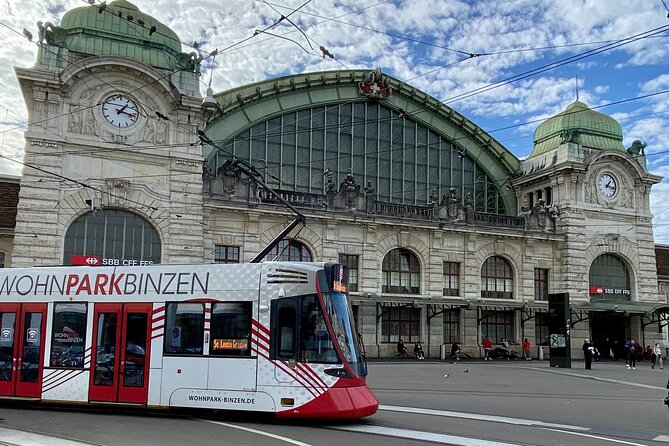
610, 330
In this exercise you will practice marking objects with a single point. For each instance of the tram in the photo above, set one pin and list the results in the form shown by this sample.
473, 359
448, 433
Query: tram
274, 337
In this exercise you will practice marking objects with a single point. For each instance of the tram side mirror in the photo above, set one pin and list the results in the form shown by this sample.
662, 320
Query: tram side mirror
263, 308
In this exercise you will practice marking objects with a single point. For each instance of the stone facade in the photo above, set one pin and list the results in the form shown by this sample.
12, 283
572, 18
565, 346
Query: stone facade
557, 218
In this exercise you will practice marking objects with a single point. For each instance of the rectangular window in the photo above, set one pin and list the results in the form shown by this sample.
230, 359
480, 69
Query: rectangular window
451, 279
541, 329
451, 326
68, 335
351, 261
231, 329
2, 259
226, 254
400, 322
498, 325
184, 328
540, 284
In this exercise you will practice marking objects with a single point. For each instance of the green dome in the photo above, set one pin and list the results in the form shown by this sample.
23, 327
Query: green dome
107, 34
578, 123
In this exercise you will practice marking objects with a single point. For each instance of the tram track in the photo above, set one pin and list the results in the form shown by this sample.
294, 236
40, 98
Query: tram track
492, 393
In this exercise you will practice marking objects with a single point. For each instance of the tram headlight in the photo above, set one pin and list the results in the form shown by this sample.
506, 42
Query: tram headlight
339, 373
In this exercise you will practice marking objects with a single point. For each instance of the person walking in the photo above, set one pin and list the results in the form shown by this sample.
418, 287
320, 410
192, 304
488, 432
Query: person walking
487, 348
631, 355
527, 345
657, 358
588, 350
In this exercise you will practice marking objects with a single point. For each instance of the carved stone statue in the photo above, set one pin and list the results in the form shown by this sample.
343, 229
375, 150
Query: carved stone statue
525, 212
570, 135
189, 61
637, 148
330, 189
50, 33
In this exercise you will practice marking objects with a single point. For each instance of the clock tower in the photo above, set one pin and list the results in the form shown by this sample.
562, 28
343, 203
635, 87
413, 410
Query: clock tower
114, 108
580, 170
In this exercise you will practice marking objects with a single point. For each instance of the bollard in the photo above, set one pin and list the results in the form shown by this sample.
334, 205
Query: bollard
541, 353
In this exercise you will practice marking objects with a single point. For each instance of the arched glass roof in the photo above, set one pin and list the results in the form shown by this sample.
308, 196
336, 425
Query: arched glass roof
296, 135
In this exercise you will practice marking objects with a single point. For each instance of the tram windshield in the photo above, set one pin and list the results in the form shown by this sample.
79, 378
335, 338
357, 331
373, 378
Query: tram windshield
341, 317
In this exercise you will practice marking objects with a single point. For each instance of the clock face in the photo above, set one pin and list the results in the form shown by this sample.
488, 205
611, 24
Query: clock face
607, 185
120, 111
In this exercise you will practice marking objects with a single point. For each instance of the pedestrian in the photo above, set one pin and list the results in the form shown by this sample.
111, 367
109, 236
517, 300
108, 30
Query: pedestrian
527, 345
418, 351
455, 352
487, 348
588, 350
401, 349
648, 354
628, 345
657, 358
631, 355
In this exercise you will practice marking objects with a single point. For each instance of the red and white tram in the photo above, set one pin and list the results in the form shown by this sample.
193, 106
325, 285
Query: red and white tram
272, 337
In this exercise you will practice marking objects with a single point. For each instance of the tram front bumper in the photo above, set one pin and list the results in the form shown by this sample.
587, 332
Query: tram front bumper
337, 403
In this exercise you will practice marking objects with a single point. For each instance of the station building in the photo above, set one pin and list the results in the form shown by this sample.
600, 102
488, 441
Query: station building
449, 237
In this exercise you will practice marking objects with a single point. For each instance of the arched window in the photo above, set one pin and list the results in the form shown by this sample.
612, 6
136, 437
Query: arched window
400, 272
496, 279
290, 251
403, 159
114, 235
609, 279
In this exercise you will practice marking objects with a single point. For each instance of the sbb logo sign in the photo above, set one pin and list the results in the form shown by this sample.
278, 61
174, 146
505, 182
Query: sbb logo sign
86, 260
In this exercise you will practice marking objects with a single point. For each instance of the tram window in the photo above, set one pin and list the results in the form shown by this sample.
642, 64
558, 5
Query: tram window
284, 325
184, 328
315, 341
69, 333
231, 329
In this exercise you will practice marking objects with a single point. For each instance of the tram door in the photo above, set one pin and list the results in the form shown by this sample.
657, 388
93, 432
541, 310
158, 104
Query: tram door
120, 354
22, 331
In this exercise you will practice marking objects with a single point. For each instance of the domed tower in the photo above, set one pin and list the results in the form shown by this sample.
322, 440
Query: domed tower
580, 170
578, 123
114, 106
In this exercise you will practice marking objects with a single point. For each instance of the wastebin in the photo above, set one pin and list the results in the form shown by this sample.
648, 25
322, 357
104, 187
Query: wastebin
541, 353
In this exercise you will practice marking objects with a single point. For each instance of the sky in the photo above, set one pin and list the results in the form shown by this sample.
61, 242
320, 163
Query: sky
505, 65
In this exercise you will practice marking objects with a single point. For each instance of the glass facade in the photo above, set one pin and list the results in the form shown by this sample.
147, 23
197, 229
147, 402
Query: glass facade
226, 254
451, 279
451, 326
400, 272
542, 335
609, 279
351, 261
112, 234
540, 284
405, 162
497, 325
496, 279
289, 251
400, 323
